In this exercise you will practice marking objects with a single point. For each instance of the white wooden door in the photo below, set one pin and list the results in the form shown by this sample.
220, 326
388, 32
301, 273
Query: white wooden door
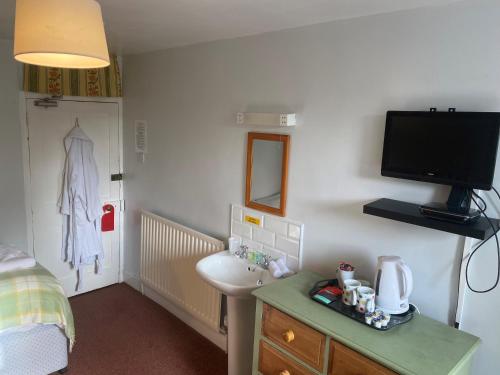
47, 128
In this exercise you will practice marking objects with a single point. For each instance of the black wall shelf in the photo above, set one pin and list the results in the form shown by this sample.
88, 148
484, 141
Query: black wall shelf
410, 213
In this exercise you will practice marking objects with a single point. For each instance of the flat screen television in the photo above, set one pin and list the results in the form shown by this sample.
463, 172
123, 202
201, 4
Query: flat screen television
450, 148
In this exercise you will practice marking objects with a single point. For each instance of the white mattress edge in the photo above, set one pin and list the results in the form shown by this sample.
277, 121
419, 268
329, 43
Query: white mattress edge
22, 328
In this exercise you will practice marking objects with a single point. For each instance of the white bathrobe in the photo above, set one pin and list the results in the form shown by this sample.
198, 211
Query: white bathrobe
79, 203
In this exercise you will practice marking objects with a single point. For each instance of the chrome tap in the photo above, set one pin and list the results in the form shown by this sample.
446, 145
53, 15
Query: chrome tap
242, 252
264, 261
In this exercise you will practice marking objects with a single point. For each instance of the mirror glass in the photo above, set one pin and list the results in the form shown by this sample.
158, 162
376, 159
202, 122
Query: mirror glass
266, 172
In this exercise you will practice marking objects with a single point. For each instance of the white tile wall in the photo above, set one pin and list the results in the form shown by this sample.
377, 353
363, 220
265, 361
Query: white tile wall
242, 230
288, 246
252, 244
276, 236
276, 225
264, 236
237, 214
294, 231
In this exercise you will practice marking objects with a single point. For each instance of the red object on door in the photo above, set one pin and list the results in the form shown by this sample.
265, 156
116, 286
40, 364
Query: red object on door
108, 219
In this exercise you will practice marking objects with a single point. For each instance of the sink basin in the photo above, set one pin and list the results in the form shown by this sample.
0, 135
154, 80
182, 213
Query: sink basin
236, 278
231, 275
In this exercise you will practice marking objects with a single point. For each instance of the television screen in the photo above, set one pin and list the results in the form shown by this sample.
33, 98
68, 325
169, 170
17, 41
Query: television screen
452, 148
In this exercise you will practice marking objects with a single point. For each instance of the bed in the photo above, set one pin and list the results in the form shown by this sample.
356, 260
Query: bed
36, 323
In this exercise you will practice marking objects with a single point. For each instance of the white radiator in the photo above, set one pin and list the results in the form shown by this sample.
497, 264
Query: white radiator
169, 252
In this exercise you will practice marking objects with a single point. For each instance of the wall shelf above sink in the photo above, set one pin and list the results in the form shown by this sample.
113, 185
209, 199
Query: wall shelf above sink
410, 213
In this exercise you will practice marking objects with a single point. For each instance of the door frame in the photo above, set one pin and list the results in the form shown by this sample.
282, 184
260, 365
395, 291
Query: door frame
23, 115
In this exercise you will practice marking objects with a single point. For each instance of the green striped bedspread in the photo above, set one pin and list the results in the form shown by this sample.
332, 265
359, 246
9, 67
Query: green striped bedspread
34, 295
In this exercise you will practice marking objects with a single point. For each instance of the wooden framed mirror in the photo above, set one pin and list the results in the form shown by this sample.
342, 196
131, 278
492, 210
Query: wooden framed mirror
267, 172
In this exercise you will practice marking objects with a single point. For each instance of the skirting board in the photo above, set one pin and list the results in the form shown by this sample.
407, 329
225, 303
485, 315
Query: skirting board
218, 339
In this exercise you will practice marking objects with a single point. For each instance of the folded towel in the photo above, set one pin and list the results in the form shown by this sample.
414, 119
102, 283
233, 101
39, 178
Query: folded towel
13, 259
283, 267
275, 270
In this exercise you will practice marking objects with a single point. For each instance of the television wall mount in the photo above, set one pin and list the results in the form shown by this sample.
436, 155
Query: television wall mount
434, 109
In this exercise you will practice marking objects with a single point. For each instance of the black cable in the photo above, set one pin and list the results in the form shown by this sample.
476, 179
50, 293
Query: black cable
460, 270
470, 255
482, 200
495, 230
496, 191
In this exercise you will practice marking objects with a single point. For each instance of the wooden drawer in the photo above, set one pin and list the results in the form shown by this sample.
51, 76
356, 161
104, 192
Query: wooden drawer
299, 339
345, 361
273, 362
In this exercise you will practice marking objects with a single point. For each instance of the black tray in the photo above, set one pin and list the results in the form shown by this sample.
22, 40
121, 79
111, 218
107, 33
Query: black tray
350, 311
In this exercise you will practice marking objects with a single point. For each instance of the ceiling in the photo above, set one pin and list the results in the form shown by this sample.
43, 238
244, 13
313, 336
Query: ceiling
146, 25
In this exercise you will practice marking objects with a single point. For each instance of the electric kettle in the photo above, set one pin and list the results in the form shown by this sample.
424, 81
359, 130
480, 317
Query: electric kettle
393, 285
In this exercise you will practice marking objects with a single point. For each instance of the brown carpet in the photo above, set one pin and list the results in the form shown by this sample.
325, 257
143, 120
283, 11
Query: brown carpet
119, 331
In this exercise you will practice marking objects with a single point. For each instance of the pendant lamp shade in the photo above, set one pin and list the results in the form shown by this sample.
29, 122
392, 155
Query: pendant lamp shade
60, 34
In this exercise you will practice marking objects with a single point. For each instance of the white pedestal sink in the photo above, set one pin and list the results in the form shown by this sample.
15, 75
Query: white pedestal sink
236, 278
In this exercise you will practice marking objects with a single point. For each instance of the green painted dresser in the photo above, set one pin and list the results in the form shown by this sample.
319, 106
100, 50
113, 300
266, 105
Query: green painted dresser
297, 336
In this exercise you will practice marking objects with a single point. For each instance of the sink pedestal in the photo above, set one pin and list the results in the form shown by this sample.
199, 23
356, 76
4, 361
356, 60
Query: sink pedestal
236, 278
241, 321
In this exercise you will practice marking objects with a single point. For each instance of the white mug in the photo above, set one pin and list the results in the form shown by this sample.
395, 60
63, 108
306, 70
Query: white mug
366, 299
344, 275
350, 295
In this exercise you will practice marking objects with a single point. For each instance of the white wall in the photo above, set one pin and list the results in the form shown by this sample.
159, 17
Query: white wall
340, 78
12, 208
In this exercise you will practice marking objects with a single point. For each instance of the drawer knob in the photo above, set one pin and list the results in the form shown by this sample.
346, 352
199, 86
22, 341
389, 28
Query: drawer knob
285, 372
288, 336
